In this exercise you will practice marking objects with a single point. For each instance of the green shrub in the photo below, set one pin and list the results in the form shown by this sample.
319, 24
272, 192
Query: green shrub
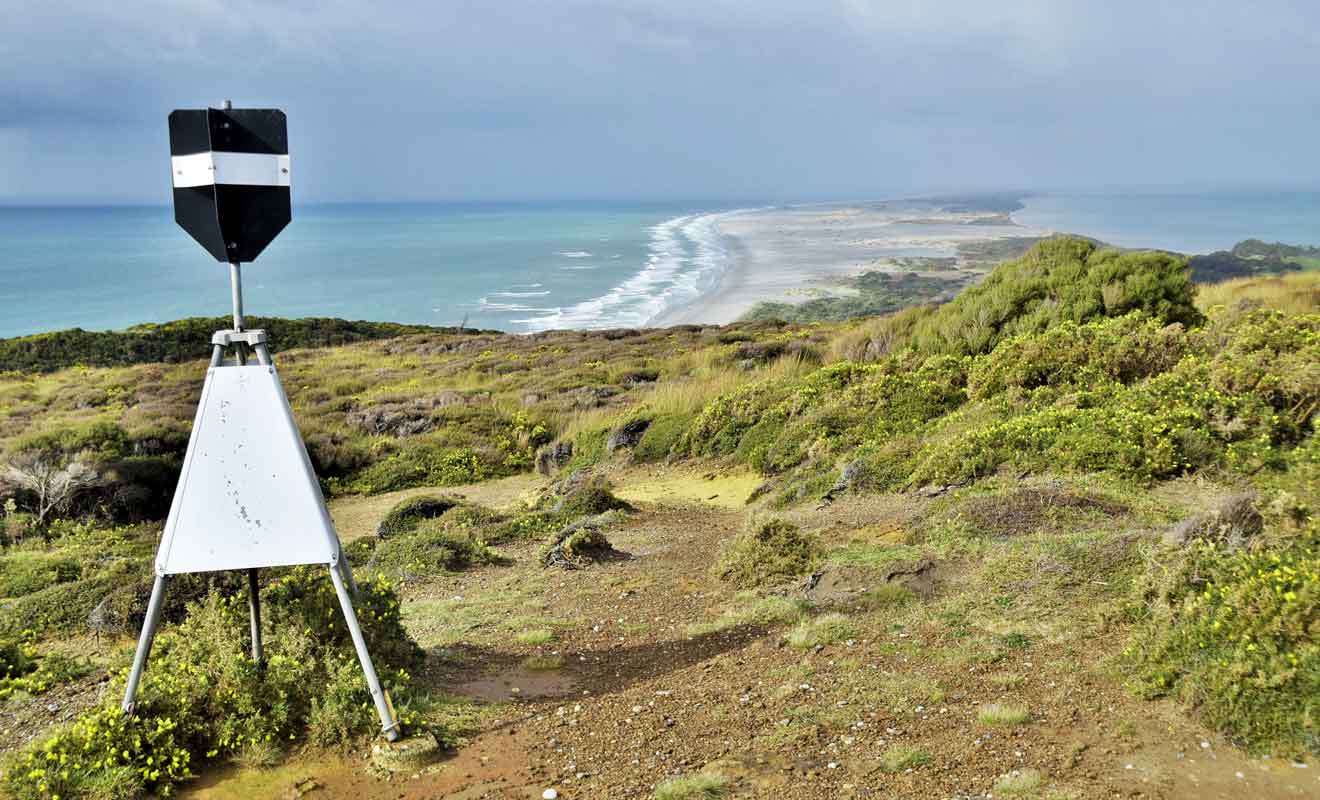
596, 496
588, 449
768, 551
27, 671
63, 608
1236, 636
423, 465
661, 438
1067, 354
183, 340
23, 573
429, 549
408, 514
1060, 279
202, 698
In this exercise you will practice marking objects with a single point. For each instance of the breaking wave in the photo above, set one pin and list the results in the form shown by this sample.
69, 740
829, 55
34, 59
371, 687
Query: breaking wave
687, 257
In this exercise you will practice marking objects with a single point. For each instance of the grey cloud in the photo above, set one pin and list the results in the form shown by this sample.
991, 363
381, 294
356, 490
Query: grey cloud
654, 100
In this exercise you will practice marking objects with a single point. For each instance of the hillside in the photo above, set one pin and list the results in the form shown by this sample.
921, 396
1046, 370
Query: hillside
1053, 538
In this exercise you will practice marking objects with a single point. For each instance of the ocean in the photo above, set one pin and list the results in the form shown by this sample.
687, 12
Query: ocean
513, 268
1187, 223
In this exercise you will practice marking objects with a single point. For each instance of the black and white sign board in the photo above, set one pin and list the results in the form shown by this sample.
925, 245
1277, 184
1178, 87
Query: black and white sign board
230, 170
247, 498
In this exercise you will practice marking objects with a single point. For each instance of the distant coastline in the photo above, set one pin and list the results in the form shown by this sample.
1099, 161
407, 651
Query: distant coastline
528, 269
789, 255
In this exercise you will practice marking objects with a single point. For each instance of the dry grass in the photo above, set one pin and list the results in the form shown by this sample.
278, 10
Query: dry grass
1018, 783
1002, 714
693, 787
1294, 292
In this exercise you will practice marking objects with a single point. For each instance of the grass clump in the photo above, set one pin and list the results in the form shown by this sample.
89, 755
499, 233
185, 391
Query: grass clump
1002, 714
1234, 635
701, 786
898, 758
535, 636
1018, 783
580, 542
589, 498
820, 631
430, 549
770, 550
888, 597
409, 513
749, 609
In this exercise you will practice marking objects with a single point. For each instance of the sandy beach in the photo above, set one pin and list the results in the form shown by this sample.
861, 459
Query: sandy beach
793, 254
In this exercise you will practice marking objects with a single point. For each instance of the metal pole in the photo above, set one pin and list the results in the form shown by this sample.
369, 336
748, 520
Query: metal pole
388, 724
236, 294
254, 607
346, 570
149, 626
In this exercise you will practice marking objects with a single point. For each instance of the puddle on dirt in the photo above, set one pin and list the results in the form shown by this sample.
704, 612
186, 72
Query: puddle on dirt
521, 682
493, 765
726, 490
1203, 774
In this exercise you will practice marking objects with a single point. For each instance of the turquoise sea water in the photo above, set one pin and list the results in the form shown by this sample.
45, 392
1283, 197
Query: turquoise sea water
515, 268
512, 268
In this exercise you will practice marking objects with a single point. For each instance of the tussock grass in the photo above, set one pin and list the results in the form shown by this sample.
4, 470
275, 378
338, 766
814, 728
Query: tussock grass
535, 636
1002, 714
768, 551
748, 609
887, 597
1293, 293
822, 630
898, 758
1018, 783
700, 786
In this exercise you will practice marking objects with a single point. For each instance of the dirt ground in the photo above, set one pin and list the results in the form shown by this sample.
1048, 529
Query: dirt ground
620, 697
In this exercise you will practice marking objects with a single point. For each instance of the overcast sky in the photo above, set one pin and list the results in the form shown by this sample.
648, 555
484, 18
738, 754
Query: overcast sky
761, 100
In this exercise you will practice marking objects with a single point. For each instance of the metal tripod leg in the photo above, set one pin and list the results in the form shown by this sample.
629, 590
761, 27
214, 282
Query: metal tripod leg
149, 626
388, 724
254, 607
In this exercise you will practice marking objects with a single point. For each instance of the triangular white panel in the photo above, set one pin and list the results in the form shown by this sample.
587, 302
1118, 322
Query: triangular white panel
247, 496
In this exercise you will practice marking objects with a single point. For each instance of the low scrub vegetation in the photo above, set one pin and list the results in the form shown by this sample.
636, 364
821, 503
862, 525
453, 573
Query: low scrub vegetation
182, 340
202, 697
1235, 634
1031, 413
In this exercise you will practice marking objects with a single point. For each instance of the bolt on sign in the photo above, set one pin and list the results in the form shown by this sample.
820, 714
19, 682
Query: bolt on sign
247, 497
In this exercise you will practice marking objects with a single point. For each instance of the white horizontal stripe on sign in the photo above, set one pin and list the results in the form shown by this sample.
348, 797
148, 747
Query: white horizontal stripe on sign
230, 169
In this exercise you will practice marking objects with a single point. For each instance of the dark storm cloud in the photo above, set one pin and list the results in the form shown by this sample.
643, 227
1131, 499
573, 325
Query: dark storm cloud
742, 100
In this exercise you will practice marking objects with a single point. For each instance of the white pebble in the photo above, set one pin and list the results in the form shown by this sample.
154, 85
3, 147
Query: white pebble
549, 794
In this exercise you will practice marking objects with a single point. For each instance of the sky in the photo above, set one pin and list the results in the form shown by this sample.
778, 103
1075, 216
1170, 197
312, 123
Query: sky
764, 100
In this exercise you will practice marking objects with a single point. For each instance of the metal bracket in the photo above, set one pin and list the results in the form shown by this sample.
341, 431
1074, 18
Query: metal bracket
230, 338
